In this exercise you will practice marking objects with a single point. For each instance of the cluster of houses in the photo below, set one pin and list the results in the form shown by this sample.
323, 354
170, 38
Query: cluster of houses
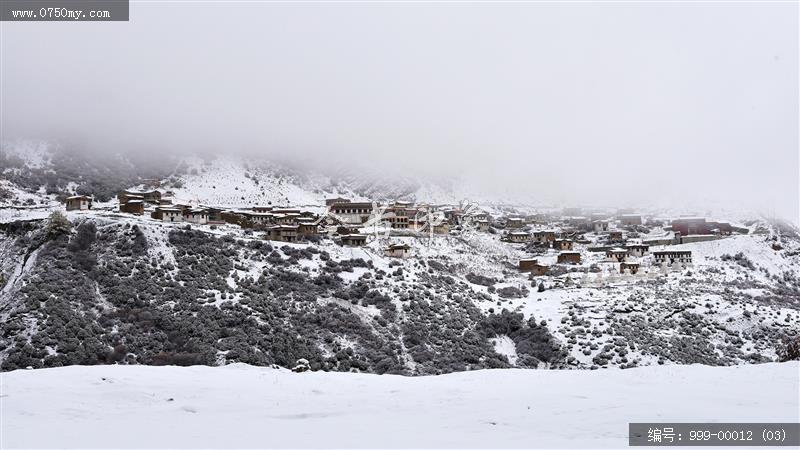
404, 215
627, 259
343, 218
279, 224
624, 239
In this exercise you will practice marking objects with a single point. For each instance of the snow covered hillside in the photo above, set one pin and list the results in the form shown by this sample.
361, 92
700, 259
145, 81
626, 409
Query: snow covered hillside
35, 175
139, 290
247, 181
240, 406
150, 292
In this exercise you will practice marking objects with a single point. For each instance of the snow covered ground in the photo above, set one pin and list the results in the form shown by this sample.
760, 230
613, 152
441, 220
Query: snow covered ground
240, 406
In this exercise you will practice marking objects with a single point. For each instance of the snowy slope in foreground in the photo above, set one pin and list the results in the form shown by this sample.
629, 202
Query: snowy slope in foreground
240, 406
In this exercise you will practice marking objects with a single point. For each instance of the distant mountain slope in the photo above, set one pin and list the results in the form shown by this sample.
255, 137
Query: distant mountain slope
241, 182
36, 174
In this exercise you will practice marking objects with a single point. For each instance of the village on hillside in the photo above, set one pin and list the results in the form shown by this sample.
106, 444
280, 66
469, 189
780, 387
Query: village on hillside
576, 240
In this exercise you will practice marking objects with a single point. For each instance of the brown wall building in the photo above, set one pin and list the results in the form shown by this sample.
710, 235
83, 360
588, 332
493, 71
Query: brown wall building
132, 207
532, 266
569, 258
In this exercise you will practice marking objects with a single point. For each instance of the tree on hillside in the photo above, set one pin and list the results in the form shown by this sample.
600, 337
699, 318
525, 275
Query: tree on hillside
58, 224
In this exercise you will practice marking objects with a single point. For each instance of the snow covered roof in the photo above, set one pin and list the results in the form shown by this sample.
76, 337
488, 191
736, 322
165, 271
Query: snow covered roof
284, 227
689, 219
351, 205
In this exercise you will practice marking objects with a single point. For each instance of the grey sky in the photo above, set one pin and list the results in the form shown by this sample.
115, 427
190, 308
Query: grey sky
602, 103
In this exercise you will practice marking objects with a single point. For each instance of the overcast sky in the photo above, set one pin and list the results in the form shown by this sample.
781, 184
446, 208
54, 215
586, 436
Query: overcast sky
592, 103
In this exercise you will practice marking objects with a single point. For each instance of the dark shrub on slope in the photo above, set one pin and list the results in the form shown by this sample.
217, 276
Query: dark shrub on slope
533, 341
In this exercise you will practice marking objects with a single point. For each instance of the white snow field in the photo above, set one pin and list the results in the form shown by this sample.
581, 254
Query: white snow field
240, 406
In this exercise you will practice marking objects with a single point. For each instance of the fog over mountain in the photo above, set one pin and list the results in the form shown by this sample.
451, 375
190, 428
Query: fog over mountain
393, 223
616, 104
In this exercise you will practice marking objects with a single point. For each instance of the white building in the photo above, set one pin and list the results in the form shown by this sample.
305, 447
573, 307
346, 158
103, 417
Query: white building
352, 213
617, 254
78, 202
515, 222
518, 236
638, 250
196, 215
397, 251
168, 214
673, 256
630, 219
